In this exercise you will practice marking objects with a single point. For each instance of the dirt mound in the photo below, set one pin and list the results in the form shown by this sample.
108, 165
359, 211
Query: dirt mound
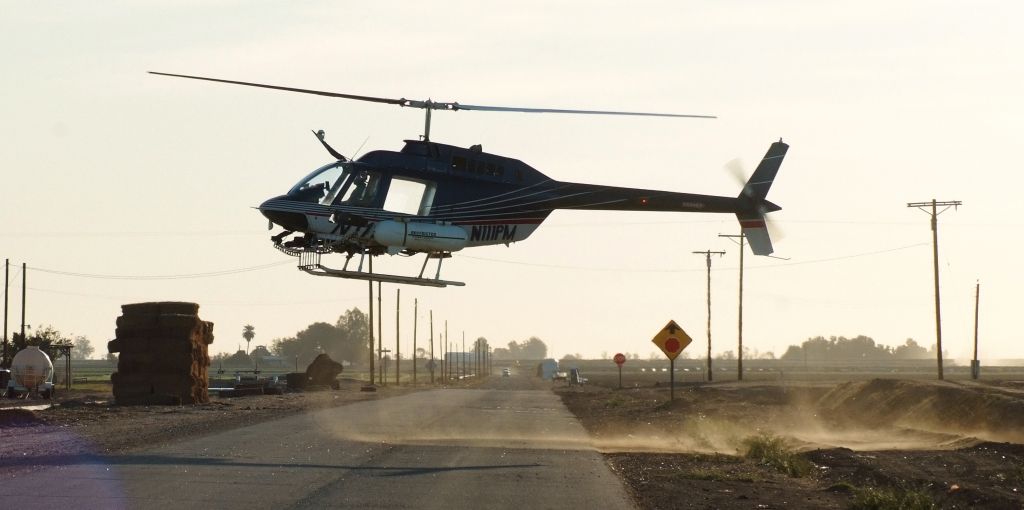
937, 406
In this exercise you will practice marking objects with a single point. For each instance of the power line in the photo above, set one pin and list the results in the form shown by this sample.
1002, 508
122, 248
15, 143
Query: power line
842, 257
205, 303
636, 270
17, 271
224, 272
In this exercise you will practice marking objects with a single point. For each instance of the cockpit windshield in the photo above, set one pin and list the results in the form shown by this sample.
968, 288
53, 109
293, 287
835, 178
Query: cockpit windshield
343, 182
323, 184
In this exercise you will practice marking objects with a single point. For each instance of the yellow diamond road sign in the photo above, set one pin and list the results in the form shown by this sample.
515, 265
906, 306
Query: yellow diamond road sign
672, 340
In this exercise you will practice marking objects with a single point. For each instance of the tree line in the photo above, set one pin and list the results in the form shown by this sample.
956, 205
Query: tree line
47, 338
346, 340
534, 348
858, 348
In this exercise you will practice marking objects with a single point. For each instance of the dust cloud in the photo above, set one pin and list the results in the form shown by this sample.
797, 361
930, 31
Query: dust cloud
879, 414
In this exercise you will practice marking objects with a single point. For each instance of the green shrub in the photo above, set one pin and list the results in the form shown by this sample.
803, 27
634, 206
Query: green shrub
772, 451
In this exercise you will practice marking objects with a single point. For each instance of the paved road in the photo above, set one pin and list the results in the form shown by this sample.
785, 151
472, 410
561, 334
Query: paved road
449, 448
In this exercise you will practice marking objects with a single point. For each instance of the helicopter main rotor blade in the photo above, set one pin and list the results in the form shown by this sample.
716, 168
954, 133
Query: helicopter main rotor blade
428, 104
292, 89
460, 106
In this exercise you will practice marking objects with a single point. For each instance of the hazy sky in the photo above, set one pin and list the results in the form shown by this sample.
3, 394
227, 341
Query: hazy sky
108, 170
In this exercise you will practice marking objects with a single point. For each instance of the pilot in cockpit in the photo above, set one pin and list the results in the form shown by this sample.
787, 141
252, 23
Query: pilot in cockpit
364, 189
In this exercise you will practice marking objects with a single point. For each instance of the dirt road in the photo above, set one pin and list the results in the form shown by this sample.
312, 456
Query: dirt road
499, 446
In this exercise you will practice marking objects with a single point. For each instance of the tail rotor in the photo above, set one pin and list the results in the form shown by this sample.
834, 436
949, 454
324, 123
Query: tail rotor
753, 203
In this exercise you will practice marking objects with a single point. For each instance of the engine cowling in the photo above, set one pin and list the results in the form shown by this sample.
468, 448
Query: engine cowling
420, 236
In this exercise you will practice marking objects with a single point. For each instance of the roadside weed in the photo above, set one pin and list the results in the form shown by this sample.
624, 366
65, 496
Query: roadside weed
772, 451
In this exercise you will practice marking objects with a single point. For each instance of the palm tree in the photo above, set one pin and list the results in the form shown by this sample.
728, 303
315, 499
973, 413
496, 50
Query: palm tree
248, 333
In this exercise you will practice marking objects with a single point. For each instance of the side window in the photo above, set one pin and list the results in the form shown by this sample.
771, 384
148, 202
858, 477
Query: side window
409, 197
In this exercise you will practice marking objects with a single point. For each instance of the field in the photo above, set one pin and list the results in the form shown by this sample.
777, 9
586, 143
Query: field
650, 372
787, 437
93, 376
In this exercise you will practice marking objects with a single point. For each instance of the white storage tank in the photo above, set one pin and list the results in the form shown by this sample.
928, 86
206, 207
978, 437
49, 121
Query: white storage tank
31, 368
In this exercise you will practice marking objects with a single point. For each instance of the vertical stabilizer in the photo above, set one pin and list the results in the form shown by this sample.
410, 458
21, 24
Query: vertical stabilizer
753, 200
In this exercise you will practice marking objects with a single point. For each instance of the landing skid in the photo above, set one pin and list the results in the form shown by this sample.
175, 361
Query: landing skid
319, 270
310, 263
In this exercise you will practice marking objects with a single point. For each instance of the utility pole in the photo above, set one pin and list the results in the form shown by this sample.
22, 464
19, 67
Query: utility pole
935, 264
462, 354
447, 356
24, 275
739, 354
415, 310
398, 337
7, 283
369, 328
707, 255
380, 335
384, 365
432, 362
975, 364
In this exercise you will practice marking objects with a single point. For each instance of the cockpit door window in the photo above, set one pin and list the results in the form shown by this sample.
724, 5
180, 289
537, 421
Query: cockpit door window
408, 196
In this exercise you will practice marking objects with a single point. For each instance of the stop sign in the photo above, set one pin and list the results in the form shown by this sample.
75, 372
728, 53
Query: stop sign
619, 359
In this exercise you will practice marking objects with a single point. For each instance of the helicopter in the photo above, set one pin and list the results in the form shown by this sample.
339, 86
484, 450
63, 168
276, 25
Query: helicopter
436, 199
